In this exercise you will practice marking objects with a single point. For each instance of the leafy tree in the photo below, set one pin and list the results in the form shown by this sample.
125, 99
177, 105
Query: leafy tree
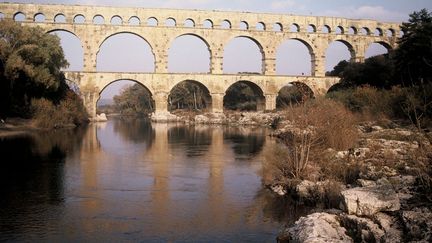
241, 96
188, 95
134, 100
413, 57
30, 67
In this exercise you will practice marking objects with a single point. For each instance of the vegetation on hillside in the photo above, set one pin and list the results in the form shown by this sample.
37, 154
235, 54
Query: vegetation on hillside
31, 78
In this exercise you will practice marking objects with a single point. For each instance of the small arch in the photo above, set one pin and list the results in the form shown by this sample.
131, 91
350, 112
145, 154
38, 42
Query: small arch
134, 20
378, 32
98, 19
260, 26
39, 18
244, 25
390, 33
79, 19
364, 31
60, 18
19, 17
116, 20
244, 95
191, 95
326, 29
293, 93
311, 28
339, 30
295, 28
152, 21
170, 22
208, 24
226, 24
401, 33
189, 23
352, 30
278, 27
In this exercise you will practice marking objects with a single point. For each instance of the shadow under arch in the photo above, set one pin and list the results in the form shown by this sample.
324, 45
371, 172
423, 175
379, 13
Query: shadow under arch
206, 43
305, 44
250, 38
105, 39
244, 95
191, 95
292, 94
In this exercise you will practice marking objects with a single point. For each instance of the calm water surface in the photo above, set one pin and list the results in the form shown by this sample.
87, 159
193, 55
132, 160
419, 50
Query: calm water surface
130, 180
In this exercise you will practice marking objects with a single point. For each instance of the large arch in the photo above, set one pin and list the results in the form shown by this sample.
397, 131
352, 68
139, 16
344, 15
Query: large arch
191, 95
72, 48
244, 95
116, 87
294, 57
377, 48
243, 54
337, 51
120, 58
189, 53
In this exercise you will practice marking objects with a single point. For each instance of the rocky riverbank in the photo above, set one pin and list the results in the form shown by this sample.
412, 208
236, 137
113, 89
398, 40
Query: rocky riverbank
390, 201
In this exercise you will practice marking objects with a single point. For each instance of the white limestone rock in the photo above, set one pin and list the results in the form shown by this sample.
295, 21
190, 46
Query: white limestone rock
367, 201
318, 227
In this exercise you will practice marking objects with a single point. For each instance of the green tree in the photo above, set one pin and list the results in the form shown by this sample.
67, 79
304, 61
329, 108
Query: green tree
413, 57
134, 100
189, 95
30, 67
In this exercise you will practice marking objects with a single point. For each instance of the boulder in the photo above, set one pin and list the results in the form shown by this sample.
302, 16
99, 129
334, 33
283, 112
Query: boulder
363, 228
317, 227
418, 224
279, 189
164, 117
367, 201
100, 118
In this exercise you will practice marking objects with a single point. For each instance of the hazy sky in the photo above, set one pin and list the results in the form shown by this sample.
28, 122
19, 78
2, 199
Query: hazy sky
190, 54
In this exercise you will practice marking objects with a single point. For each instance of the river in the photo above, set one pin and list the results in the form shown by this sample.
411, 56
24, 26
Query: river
132, 180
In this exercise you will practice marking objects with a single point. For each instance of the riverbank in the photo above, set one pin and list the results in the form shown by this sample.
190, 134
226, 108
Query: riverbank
386, 194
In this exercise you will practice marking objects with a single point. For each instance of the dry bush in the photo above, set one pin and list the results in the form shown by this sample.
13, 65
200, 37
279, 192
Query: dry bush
333, 124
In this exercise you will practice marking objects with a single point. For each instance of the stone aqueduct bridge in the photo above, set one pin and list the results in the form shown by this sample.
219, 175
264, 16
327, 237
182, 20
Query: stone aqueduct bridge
216, 29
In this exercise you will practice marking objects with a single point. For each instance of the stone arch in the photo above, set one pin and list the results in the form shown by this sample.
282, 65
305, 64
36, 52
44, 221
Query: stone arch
311, 28
243, 25
365, 31
39, 17
134, 20
170, 22
116, 20
293, 93
189, 23
339, 30
278, 27
390, 32
280, 60
72, 51
203, 40
326, 29
378, 32
260, 26
98, 19
255, 41
148, 90
295, 28
352, 30
208, 23
79, 19
349, 46
226, 24
190, 94
244, 95
152, 21
19, 17
60, 18
377, 48
131, 33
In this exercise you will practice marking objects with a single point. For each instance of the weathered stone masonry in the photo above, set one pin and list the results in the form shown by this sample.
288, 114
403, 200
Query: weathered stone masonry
220, 28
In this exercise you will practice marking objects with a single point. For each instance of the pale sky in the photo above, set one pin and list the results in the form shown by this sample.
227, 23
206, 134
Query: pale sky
189, 54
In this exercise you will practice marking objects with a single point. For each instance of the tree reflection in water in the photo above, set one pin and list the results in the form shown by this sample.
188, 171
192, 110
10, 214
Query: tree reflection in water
135, 130
195, 139
246, 143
